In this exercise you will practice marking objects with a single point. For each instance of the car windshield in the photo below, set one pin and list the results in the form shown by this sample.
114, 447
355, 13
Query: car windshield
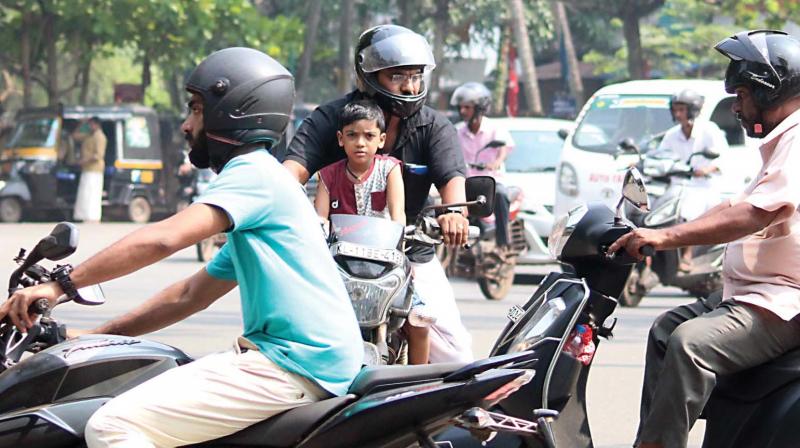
40, 132
613, 118
534, 151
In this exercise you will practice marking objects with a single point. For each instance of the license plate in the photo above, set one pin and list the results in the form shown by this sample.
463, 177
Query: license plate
367, 253
515, 313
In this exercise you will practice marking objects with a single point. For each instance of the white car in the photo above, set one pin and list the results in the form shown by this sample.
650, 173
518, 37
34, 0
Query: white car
592, 166
532, 166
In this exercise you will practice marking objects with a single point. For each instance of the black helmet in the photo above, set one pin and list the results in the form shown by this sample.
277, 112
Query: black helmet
766, 61
387, 46
247, 98
473, 93
692, 100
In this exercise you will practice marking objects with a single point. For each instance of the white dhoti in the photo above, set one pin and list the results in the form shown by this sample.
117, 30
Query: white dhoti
450, 341
89, 203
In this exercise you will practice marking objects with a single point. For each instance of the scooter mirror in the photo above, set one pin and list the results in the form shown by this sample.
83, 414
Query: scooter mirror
628, 145
61, 242
495, 144
563, 133
634, 191
481, 190
91, 295
709, 154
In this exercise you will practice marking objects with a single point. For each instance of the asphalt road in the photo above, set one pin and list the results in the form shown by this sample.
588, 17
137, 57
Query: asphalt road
614, 385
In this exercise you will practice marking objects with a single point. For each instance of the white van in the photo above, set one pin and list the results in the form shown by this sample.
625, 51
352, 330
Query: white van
592, 167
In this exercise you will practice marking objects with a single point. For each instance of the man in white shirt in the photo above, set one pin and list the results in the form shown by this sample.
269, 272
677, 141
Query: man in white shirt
691, 137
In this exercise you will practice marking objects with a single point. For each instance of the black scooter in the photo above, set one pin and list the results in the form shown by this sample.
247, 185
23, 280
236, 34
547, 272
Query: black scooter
570, 312
47, 398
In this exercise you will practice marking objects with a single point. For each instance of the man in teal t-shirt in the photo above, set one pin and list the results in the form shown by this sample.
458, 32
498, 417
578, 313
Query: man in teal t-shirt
301, 340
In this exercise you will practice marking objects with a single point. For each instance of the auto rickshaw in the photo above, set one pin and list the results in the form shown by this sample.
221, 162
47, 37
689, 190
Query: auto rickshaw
39, 173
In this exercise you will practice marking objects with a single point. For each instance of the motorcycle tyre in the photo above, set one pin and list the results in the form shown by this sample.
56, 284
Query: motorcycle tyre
498, 290
206, 249
628, 298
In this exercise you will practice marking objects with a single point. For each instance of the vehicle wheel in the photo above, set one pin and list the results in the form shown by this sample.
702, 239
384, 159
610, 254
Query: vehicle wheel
496, 285
10, 209
139, 210
445, 255
181, 205
206, 249
633, 292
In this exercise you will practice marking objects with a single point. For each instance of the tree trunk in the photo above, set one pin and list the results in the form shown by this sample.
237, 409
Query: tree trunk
25, 50
404, 16
499, 93
312, 25
174, 87
525, 52
86, 71
575, 81
441, 20
52, 58
344, 78
633, 42
146, 75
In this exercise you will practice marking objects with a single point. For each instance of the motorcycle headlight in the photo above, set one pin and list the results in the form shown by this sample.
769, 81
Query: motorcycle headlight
371, 298
563, 228
535, 329
663, 214
568, 180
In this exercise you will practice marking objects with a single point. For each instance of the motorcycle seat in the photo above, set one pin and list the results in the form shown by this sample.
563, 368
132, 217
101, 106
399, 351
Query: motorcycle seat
373, 379
756, 383
286, 429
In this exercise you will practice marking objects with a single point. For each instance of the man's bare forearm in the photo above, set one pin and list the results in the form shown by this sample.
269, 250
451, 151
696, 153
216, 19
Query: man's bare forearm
726, 223
151, 244
173, 304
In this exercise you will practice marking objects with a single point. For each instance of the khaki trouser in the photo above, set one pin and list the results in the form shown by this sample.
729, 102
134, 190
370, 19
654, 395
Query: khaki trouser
688, 347
212, 397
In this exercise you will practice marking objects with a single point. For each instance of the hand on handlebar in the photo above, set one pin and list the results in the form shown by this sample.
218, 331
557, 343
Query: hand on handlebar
455, 228
18, 307
639, 243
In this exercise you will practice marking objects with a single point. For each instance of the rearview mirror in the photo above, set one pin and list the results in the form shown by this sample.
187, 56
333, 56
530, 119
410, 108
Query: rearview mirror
495, 144
62, 242
709, 154
563, 133
481, 190
91, 295
634, 191
628, 145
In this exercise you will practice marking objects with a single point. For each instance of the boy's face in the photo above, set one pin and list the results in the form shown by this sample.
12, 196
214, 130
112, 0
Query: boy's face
361, 139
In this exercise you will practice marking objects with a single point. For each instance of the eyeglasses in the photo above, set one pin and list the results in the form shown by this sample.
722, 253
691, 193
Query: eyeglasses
401, 78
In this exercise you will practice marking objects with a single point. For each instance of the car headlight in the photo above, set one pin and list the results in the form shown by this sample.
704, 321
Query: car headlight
567, 180
563, 228
536, 328
665, 213
371, 298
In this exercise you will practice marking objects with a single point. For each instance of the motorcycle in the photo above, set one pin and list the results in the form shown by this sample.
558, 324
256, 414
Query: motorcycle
484, 261
570, 312
671, 179
48, 396
369, 253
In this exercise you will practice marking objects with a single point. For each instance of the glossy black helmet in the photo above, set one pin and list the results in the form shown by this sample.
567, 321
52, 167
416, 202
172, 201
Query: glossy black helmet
692, 100
766, 61
473, 93
247, 98
388, 46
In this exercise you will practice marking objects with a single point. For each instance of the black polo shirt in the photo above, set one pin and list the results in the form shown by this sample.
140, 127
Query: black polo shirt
427, 144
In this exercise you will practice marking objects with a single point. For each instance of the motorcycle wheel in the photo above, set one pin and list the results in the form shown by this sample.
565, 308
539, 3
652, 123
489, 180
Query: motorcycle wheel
446, 256
632, 293
496, 287
206, 249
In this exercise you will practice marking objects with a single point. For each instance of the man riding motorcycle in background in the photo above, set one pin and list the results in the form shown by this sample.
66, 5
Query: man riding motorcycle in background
679, 143
473, 101
301, 341
689, 346
391, 64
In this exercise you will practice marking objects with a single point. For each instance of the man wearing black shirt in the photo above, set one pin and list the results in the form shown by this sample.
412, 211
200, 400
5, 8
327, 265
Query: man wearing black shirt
391, 63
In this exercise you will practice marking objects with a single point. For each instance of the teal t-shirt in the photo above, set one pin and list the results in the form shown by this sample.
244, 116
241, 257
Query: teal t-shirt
294, 304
